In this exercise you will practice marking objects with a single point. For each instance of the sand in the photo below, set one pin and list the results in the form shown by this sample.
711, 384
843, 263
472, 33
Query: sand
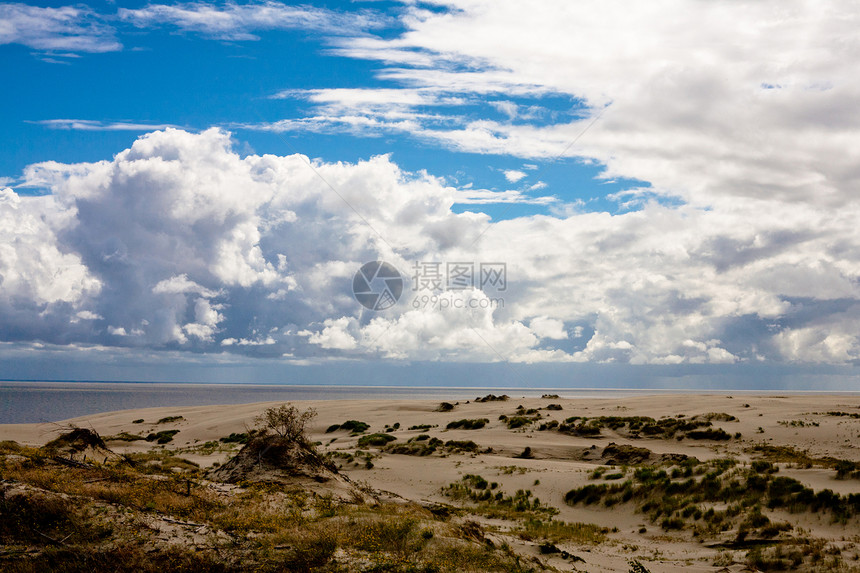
557, 466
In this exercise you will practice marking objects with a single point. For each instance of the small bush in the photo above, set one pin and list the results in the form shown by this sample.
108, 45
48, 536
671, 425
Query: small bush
475, 424
287, 421
493, 398
526, 454
462, 445
124, 437
311, 553
636, 567
763, 467
547, 548
709, 434
162, 437
377, 440
515, 422
352, 426
235, 438
476, 481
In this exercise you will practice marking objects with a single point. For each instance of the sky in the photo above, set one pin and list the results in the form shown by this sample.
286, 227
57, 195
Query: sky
565, 189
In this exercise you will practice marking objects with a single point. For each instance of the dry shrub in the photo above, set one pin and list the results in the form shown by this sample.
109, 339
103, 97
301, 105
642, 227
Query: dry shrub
287, 421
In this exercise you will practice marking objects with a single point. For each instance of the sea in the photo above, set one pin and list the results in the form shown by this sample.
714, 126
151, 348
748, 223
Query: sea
23, 402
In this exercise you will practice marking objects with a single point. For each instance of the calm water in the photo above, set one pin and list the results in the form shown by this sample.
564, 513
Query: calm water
26, 402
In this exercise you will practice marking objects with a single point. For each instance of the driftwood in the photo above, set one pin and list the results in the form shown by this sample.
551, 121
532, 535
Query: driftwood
54, 541
73, 463
177, 522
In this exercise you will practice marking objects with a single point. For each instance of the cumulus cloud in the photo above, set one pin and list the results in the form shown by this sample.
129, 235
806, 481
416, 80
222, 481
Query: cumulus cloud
180, 243
43, 286
546, 327
514, 175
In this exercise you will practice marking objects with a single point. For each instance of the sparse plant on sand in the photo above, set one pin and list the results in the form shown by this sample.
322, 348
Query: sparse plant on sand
287, 421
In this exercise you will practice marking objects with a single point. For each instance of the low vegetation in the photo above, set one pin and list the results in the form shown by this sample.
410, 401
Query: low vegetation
152, 512
492, 502
158, 511
422, 427
679, 427
162, 437
854, 415
235, 438
493, 398
798, 423
424, 445
124, 437
351, 426
786, 454
522, 417
99, 528
710, 498
475, 424
375, 440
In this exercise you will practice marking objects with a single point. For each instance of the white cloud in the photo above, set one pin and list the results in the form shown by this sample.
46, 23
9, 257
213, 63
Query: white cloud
180, 243
546, 327
180, 284
87, 315
334, 335
94, 125
66, 29
35, 268
338, 99
486, 197
508, 108
514, 175
238, 22
763, 116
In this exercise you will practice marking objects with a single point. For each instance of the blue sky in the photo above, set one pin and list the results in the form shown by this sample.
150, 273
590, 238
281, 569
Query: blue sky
170, 76
670, 184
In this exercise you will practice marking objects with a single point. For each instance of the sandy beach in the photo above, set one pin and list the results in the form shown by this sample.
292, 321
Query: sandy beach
549, 447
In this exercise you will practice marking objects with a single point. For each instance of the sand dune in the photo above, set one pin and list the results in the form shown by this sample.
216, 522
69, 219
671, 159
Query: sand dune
822, 427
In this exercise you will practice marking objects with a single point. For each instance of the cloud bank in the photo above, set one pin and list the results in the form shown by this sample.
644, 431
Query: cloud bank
742, 247
179, 243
